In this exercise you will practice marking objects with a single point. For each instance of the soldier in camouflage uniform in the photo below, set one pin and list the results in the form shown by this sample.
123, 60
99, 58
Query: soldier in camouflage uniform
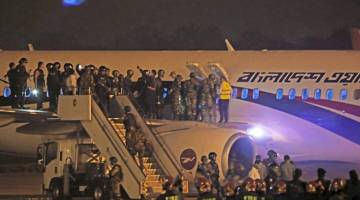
191, 87
207, 99
159, 94
176, 99
86, 82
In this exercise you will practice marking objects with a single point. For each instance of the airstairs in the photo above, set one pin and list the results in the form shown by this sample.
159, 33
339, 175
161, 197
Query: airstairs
109, 136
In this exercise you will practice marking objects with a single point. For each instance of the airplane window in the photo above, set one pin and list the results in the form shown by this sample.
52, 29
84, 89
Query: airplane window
292, 94
256, 93
317, 94
165, 93
357, 94
27, 92
244, 93
329, 94
305, 94
279, 94
6, 92
343, 94
234, 93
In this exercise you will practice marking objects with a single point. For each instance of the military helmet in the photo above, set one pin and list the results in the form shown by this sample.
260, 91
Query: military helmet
127, 108
179, 77
212, 155
211, 76
172, 74
161, 72
130, 72
115, 72
102, 68
23, 60
203, 158
272, 153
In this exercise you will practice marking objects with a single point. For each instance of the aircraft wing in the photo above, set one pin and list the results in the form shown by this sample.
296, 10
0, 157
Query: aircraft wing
8, 116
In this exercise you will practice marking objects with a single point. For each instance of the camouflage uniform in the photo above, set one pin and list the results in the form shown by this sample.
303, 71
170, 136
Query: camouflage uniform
207, 100
116, 177
176, 99
86, 83
159, 96
190, 94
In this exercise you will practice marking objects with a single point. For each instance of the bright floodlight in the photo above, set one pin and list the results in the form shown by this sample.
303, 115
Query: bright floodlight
35, 92
256, 132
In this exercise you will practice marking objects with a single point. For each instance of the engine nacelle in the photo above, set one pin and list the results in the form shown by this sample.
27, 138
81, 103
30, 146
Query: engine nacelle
188, 141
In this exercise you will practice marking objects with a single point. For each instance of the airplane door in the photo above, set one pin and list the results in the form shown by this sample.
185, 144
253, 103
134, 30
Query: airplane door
197, 69
217, 70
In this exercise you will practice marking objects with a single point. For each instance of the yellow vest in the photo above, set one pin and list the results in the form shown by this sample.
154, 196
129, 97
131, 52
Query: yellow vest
225, 90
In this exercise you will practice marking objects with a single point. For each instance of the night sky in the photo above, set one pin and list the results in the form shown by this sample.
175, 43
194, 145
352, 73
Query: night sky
178, 24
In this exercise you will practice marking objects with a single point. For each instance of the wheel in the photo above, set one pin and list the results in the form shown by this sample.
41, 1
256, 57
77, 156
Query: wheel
98, 193
56, 190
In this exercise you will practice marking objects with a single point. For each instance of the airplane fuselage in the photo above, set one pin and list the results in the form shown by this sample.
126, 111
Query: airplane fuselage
306, 103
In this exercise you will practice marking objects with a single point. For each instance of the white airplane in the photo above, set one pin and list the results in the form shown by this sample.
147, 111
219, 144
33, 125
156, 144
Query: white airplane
302, 103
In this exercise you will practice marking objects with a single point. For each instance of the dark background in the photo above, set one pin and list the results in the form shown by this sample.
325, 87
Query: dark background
178, 24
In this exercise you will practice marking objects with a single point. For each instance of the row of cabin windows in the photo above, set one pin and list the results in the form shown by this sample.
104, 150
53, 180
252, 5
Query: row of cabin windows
305, 94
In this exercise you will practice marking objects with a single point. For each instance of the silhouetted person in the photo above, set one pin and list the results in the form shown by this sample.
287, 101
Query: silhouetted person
21, 75
287, 169
11, 76
322, 184
53, 85
353, 185
39, 80
150, 96
103, 89
296, 188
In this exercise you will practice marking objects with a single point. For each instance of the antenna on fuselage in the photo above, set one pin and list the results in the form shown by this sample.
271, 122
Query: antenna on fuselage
229, 46
31, 47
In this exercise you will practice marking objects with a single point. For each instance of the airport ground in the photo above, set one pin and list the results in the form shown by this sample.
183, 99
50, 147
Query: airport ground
18, 176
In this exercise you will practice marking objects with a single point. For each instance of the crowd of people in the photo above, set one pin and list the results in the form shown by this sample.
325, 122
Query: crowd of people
269, 180
192, 99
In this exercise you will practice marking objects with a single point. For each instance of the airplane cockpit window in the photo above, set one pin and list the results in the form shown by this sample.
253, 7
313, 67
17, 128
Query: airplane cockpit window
305, 94
329, 94
244, 93
357, 94
292, 94
343, 94
6, 92
279, 93
256, 93
317, 94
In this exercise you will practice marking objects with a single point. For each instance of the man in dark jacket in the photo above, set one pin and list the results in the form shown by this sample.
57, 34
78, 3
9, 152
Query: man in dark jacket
21, 84
39, 80
53, 85
11, 76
